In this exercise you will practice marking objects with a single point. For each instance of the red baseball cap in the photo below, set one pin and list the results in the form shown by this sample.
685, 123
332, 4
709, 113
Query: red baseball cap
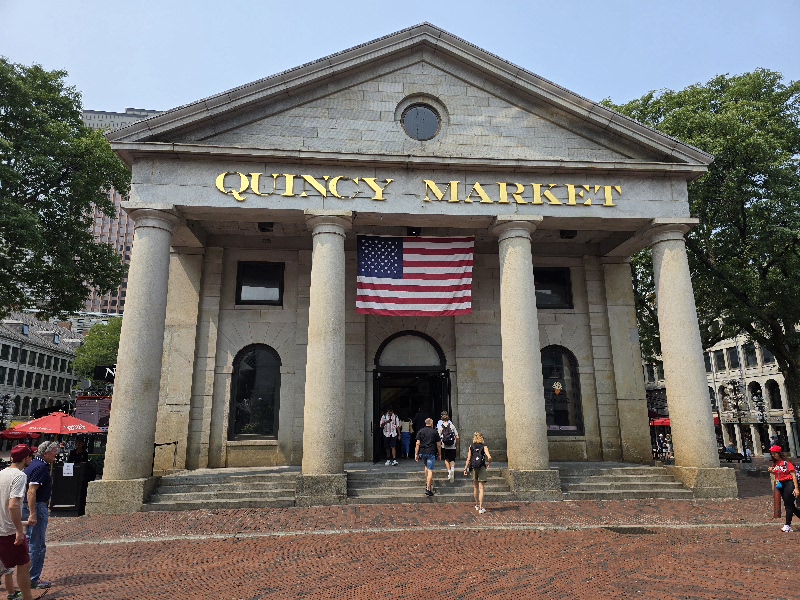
775, 449
20, 452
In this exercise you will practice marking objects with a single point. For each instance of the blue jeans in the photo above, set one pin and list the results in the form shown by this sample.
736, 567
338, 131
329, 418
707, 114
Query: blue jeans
429, 460
36, 538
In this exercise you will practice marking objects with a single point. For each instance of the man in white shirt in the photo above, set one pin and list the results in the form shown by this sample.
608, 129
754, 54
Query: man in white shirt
390, 424
449, 435
13, 543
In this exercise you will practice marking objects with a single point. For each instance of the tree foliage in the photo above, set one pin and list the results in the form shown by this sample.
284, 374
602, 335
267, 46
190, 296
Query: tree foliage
745, 254
99, 348
53, 171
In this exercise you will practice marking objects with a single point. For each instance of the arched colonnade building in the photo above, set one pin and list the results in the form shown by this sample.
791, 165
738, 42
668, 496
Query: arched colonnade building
242, 339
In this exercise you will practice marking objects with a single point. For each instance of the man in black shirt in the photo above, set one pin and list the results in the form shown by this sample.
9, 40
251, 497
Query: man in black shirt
429, 447
418, 422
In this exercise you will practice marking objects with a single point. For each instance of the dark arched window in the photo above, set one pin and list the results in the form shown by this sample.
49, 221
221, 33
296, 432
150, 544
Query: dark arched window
562, 392
255, 393
774, 393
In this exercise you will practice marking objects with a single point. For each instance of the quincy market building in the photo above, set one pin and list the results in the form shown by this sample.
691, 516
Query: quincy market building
243, 339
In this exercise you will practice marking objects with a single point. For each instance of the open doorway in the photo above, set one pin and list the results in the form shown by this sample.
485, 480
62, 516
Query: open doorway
410, 374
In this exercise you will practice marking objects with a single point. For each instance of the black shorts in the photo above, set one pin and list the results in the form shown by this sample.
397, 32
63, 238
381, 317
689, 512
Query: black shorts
449, 454
389, 442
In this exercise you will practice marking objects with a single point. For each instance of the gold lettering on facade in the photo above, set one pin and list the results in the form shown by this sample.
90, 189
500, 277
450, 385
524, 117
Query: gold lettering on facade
255, 185
430, 186
516, 195
537, 193
549, 195
289, 189
608, 191
370, 181
244, 183
323, 191
478, 189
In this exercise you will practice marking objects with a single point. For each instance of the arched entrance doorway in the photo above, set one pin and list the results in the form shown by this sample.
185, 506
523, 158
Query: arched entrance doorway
410, 374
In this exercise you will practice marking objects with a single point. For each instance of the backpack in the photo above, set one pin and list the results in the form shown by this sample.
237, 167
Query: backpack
448, 435
478, 457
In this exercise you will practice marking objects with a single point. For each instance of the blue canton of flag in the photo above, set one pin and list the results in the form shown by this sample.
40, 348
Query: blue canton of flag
380, 257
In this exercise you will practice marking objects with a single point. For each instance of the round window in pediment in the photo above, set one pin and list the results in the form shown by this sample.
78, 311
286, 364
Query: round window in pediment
421, 122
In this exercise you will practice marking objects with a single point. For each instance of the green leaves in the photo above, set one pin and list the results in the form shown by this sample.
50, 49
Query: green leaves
53, 172
99, 348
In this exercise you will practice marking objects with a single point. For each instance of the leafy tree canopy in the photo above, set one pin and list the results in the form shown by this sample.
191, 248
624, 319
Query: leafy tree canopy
53, 171
744, 256
99, 349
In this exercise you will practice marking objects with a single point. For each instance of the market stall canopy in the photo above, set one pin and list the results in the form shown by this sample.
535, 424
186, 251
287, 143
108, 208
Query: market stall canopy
664, 422
10, 434
58, 423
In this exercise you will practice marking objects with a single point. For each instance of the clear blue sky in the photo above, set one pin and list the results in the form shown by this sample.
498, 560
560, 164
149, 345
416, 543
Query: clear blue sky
163, 54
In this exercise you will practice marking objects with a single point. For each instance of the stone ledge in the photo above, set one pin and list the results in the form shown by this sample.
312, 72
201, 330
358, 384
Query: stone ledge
321, 490
719, 482
114, 497
534, 485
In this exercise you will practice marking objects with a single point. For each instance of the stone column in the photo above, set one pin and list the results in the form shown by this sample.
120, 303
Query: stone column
739, 438
726, 436
128, 466
790, 435
754, 433
523, 393
691, 418
323, 480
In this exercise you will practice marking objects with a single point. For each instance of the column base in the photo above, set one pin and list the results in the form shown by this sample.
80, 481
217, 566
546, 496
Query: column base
321, 490
719, 482
534, 485
121, 496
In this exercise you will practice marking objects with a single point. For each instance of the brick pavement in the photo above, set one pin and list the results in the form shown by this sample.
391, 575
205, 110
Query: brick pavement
682, 549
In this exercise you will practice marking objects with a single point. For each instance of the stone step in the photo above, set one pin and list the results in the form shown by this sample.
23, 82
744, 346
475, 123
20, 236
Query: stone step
401, 483
621, 486
418, 475
217, 504
420, 497
620, 478
226, 487
276, 494
629, 495
617, 472
227, 478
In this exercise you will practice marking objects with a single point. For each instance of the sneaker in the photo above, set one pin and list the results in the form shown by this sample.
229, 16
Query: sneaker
477, 507
481, 511
388, 462
395, 463
428, 493
15, 596
787, 529
40, 585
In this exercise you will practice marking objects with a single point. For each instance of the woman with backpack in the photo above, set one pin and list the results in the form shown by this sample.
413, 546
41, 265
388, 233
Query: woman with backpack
478, 460
786, 483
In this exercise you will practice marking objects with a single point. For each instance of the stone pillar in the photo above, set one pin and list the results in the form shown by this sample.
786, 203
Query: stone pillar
739, 438
323, 480
726, 436
529, 471
756, 435
129, 455
691, 418
790, 435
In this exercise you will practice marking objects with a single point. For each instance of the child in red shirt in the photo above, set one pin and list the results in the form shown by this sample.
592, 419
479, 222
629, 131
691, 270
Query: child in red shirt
786, 483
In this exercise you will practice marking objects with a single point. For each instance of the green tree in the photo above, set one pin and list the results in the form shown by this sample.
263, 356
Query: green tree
99, 348
53, 171
744, 254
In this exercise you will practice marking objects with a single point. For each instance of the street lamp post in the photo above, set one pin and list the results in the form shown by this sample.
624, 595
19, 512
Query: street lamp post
735, 389
6, 409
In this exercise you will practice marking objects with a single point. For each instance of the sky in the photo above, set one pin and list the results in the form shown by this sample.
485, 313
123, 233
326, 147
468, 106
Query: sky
159, 55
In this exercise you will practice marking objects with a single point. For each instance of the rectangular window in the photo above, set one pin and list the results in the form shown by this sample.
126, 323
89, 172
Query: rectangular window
23, 356
10, 378
2, 374
46, 382
259, 283
707, 358
651, 374
5, 349
29, 379
49, 363
40, 362
768, 356
37, 381
660, 371
719, 360
14, 354
32, 359
53, 382
733, 358
553, 288
750, 357
69, 367
60, 384
21, 376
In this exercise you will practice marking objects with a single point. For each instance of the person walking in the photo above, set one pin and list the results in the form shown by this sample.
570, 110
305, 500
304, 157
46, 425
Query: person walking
390, 424
429, 446
786, 482
479, 459
449, 436
405, 438
13, 543
34, 510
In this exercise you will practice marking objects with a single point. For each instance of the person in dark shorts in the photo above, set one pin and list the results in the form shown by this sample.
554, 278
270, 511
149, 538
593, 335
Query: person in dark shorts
449, 436
429, 446
478, 460
13, 543
390, 425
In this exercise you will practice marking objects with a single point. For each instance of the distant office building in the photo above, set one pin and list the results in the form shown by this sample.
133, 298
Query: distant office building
35, 364
117, 231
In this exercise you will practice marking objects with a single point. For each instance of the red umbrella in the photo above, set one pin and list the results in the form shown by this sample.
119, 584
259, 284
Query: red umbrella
58, 423
10, 434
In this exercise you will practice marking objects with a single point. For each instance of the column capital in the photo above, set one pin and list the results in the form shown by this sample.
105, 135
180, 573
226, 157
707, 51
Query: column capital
160, 219
510, 226
662, 230
329, 221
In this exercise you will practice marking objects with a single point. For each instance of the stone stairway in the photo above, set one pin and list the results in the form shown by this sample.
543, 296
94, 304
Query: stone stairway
406, 486
619, 483
220, 488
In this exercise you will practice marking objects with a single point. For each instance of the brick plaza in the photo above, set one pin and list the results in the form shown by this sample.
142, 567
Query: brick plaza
579, 549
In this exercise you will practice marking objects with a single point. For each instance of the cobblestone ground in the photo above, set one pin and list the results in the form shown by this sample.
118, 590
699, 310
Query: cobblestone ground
583, 549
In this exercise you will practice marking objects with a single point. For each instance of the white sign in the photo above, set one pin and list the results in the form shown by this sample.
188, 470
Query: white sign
68, 470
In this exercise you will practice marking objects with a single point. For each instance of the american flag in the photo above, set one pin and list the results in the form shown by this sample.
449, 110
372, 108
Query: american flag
415, 276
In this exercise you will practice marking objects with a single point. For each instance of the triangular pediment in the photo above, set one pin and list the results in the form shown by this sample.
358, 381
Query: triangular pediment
351, 103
